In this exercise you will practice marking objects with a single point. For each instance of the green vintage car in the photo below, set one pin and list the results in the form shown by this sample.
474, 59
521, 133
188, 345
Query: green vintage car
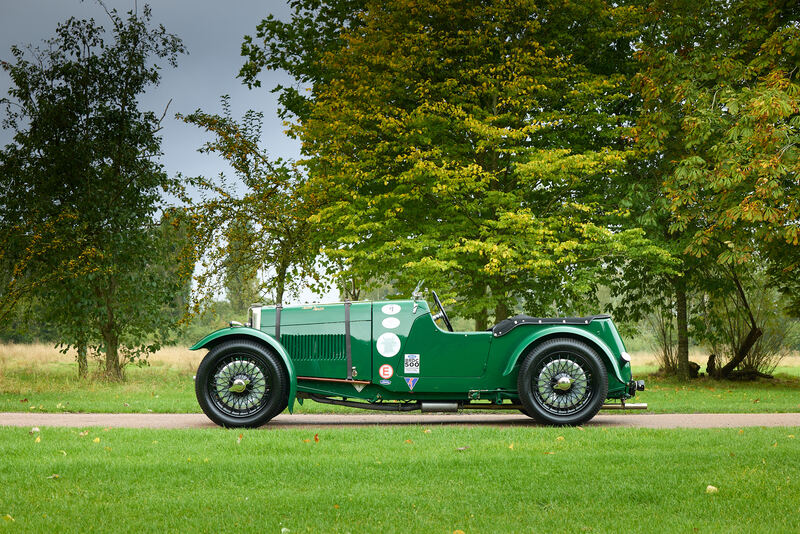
392, 355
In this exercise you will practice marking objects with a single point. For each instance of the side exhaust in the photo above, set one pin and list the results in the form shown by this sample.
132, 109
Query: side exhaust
625, 406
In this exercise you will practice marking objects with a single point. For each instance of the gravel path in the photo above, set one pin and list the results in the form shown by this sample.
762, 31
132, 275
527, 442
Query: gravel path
727, 420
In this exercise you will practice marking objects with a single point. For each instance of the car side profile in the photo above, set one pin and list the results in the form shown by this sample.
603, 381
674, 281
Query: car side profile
393, 356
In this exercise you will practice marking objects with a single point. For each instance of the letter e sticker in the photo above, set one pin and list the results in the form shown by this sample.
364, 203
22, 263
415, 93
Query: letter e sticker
411, 364
386, 371
411, 381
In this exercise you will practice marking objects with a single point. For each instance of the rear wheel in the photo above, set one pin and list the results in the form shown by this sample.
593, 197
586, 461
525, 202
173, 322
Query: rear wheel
241, 383
562, 382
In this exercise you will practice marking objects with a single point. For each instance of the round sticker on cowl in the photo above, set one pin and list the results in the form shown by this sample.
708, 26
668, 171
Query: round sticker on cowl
390, 309
388, 344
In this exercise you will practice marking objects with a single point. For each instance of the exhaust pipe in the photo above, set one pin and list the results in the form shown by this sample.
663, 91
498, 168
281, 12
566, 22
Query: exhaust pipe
439, 406
625, 406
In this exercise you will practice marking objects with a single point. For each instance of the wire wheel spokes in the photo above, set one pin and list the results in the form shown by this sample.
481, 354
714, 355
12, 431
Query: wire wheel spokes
562, 383
240, 385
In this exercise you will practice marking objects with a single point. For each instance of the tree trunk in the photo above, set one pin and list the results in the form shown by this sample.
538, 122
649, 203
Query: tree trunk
741, 354
501, 311
113, 368
83, 364
683, 329
752, 336
482, 320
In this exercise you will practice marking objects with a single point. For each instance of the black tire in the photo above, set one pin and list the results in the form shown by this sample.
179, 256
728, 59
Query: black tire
583, 387
262, 376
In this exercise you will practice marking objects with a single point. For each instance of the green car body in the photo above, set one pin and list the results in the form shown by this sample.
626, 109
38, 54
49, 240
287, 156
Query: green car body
392, 355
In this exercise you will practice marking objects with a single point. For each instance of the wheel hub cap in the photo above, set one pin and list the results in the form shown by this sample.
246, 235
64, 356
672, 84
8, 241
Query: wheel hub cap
564, 383
562, 386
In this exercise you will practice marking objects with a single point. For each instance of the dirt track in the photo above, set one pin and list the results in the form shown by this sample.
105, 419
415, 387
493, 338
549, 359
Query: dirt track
731, 420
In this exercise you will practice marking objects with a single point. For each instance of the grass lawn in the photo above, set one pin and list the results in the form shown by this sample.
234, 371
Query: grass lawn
406, 479
38, 378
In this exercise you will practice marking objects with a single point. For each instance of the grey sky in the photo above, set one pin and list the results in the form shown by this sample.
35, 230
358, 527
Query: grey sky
211, 30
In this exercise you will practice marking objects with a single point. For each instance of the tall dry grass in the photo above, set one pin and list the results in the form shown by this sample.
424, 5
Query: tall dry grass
38, 355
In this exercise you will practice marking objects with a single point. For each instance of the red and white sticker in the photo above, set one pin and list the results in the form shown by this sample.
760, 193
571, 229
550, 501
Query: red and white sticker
386, 371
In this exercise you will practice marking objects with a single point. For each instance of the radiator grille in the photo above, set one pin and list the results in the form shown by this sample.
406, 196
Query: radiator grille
314, 346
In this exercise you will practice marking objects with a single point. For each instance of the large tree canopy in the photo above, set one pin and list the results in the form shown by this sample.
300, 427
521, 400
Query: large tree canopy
475, 146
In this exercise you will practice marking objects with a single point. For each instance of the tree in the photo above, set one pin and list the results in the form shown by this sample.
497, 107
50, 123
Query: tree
264, 232
298, 47
720, 109
475, 147
81, 189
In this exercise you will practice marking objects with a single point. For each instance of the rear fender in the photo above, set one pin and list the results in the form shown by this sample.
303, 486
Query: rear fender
243, 332
564, 331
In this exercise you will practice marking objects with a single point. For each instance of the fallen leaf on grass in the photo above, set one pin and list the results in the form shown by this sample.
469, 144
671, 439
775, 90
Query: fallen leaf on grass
239, 439
33, 430
756, 401
8, 517
409, 441
54, 475
741, 431
84, 433
306, 441
465, 447
24, 400
316, 438
790, 436
96, 440
336, 506
775, 444
549, 452
63, 452
108, 449
579, 428
125, 404
560, 438
711, 489
458, 532
511, 446
38, 439
426, 431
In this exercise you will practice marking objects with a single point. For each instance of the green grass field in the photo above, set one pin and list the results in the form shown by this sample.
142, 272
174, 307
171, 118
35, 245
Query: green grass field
38, 379
383, 479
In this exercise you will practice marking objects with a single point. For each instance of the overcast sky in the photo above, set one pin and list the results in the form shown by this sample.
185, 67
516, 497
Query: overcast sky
212, 32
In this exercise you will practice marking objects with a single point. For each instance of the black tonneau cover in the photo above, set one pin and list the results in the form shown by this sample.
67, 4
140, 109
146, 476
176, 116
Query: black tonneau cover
507, 325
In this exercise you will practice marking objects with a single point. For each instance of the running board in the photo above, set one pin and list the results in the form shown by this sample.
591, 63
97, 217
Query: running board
625, 406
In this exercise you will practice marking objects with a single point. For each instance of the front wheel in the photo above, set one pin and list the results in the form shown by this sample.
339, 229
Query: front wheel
562, 382
241, 383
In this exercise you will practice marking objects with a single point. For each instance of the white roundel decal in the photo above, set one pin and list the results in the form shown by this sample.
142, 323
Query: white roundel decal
386, 371
391, 322
391, 309
388, 344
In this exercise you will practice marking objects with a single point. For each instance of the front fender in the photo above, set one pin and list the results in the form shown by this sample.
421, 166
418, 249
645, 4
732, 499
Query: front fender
243, 332
555, 331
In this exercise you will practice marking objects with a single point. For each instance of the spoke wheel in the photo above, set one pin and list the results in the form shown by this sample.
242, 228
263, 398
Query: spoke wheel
241, 383
562, 382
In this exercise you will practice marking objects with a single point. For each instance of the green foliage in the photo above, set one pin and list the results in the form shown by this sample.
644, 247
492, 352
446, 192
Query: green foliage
262, 232
81, 192
720, 100
470, 145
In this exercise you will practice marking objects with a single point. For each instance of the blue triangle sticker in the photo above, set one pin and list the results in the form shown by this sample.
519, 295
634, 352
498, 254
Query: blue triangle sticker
411, 382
